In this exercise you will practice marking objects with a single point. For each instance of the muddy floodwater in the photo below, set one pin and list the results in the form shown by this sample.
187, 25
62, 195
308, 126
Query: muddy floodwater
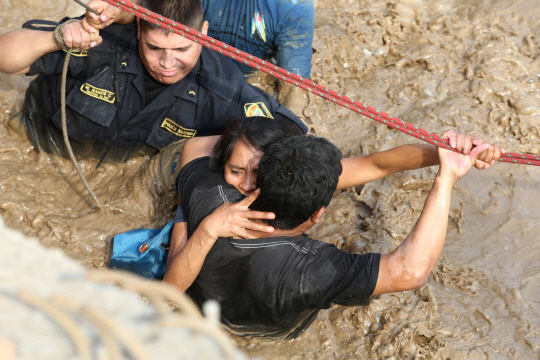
473, 66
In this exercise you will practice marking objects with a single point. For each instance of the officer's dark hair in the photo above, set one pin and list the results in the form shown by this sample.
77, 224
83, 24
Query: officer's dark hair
257, 131
297, 176
186, 12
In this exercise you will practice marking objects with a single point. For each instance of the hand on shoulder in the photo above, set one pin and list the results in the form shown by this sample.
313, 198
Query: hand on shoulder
233, 220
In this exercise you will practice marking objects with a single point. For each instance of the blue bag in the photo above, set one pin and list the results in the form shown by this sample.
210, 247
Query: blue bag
142, 251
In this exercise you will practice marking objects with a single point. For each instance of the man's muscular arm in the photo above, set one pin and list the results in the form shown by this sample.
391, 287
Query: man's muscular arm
21, 48
364, 169
409, 265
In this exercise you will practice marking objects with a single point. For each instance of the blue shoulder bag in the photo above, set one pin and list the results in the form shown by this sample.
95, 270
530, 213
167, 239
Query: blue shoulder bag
142, 251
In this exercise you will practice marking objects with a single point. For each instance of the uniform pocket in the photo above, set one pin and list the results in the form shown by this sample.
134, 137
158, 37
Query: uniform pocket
89, 111
165, 132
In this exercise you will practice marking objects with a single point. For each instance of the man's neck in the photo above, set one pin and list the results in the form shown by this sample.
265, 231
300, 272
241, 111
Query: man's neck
297, 231
277, 232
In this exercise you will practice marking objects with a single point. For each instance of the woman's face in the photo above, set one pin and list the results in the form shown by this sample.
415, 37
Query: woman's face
241, 168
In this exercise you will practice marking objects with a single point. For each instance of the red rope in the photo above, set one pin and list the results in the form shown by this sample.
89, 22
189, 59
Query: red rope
303, 83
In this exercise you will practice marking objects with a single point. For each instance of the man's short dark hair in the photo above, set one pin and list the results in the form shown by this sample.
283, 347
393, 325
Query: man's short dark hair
186, 12
297, 176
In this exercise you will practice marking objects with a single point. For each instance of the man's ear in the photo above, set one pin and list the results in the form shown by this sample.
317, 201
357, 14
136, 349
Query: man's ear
205, 27
138, 28
317, 215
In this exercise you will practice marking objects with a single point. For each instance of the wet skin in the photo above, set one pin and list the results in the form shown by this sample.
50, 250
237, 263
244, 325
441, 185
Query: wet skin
241, 168
168, 57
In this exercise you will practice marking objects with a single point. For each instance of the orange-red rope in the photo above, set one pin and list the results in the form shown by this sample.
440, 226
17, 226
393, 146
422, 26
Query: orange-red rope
301, 82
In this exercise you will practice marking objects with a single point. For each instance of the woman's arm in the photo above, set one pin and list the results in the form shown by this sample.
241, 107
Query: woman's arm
198, 147
185, 262
178, 240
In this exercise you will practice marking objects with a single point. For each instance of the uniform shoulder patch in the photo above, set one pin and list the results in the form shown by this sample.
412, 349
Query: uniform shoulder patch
257, 109
176, 129
78, 53
98, 93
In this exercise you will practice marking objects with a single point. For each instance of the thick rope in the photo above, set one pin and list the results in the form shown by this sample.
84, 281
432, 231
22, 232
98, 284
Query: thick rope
65, 133
107, 326
136, 283
67, 314
303, 83
167, 292
112, 348
59, 38
78, 337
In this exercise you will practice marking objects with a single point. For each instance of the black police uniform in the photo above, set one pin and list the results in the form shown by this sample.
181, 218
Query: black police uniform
105, 97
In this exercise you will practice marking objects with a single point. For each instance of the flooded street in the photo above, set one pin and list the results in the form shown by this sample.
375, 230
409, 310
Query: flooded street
473, 66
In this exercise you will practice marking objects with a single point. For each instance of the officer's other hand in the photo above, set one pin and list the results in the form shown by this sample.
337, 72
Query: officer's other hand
77, 38
466, 143
107, 15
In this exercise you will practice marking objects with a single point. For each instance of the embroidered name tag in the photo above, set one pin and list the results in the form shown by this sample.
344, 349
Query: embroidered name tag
98, 93
78, 53
257, 109
177, 130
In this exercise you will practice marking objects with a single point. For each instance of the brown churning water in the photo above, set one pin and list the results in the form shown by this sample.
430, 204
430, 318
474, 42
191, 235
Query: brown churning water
470, 65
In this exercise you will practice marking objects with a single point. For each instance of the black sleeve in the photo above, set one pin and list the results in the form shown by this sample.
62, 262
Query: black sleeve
339, 277
202, 191
180, 215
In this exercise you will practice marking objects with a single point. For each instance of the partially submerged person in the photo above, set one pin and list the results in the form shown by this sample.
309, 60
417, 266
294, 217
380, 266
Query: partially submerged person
265, 29
278, 31
130, 86
270, 30
275, 284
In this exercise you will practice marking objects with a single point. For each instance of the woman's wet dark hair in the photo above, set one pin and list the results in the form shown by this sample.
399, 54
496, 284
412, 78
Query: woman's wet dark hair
257, 131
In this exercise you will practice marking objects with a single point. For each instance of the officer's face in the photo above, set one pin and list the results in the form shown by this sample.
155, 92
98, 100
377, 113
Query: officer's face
241, 168
168, 57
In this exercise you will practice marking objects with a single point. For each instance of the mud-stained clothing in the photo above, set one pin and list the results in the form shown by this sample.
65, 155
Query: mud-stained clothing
272, 286
109, 104
265, 28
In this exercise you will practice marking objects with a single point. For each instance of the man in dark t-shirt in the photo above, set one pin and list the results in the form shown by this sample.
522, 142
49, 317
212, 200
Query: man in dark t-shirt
275, 285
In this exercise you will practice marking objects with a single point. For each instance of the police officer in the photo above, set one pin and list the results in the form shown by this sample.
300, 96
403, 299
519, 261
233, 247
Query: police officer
268, 29
130, 84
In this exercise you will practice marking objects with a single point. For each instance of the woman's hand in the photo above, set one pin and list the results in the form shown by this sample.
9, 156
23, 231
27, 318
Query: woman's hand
235, 219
